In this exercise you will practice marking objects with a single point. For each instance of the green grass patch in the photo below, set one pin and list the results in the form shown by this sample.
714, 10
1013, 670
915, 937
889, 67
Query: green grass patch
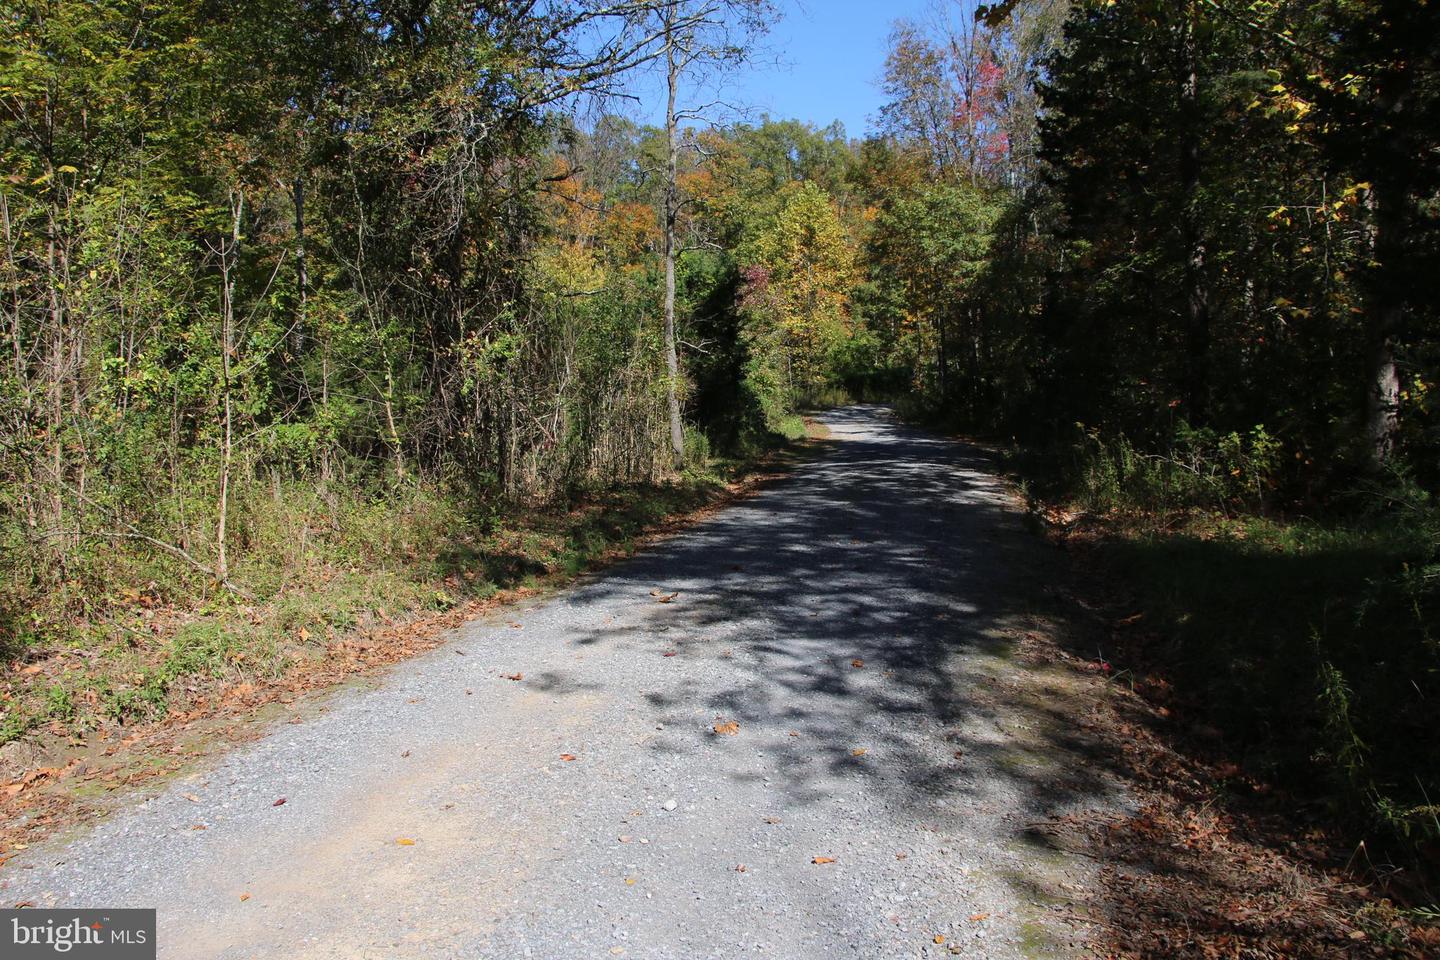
132, 635
1309, 645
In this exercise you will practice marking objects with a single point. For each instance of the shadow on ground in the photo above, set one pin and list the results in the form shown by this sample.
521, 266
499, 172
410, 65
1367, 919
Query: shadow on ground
880, 596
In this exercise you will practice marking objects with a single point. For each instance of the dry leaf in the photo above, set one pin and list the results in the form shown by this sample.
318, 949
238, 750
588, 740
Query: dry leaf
822, 860
514, 676
304, 635
629, 881
939, 938
567, 757
664, 597
405, 842
977, 917
191, 797
858, 752
857, 663
244, 897
728, 729
199, 826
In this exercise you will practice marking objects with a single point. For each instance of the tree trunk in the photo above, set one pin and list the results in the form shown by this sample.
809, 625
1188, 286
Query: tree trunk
672, 360
1385, 304
229, 252
302, 273
1197, 291
1383, 314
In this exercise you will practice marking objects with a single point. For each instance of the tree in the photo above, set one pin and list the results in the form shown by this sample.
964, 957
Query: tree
798, 274
700, 37
932, 244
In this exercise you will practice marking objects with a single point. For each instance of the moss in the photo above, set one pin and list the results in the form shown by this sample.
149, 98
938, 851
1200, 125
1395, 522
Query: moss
1036, 941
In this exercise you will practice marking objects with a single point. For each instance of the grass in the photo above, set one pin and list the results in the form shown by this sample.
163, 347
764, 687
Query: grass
1308, 646
1306, 642
128, 637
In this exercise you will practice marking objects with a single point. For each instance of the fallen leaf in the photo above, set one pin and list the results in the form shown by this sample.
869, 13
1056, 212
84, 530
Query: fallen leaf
629, 881
244, 897
279, 803
857, 663
199, 826
567, 757
191, 797
405, 842
939, 938
304, 635
664, 597
514, 676
977, 917
858, 752
727, 729
822, 860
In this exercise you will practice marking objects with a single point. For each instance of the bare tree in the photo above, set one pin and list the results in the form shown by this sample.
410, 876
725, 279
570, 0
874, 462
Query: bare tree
702, 38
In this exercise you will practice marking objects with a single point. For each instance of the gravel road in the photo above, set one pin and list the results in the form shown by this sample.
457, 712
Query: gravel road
854, 622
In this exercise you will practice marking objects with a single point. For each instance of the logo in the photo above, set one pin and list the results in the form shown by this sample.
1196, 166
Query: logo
78, 934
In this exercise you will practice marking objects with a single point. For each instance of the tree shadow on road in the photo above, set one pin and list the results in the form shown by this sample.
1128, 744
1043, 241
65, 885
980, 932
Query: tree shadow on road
876, 601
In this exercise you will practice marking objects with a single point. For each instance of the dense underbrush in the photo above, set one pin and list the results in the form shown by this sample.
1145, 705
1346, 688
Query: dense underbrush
1305, 637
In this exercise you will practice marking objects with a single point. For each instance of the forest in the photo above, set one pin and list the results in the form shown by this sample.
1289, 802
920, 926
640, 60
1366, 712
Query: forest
305, 304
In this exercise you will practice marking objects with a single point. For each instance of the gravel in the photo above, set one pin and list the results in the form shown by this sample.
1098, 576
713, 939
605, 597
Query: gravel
851, 620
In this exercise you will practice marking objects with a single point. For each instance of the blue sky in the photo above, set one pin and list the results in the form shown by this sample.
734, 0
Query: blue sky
832, 55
